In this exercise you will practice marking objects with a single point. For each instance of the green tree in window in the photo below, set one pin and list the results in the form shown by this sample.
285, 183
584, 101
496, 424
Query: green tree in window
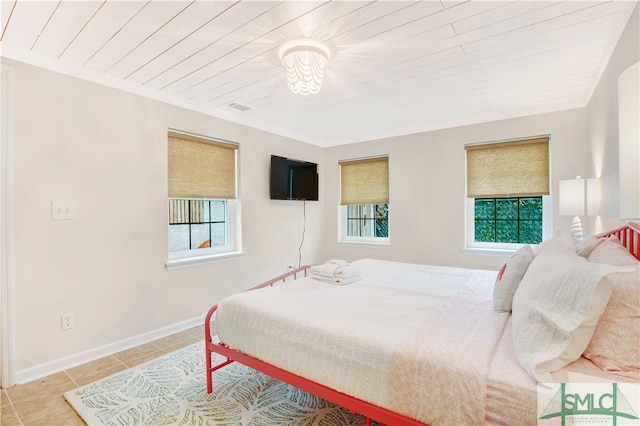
382, 220
530, 222
508, 220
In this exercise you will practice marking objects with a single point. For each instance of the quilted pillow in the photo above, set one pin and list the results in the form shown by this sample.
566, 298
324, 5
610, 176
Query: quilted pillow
561, 242
509, 277
615, 346
585, 246
556, 309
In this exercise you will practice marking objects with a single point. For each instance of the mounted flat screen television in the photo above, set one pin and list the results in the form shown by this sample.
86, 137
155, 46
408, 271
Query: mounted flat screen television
293, 179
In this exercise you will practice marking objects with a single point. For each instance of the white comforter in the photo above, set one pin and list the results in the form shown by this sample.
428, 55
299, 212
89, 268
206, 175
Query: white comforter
415, 339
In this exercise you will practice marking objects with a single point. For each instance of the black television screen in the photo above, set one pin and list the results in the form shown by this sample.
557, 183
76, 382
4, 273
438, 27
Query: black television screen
293, 179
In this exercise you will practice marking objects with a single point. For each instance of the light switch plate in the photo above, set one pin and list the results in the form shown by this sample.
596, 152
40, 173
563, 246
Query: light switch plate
62, 210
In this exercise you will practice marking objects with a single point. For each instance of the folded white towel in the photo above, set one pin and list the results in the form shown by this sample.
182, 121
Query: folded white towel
347, 272
335, 271
324, 270
329, 268
339, 262
337, 281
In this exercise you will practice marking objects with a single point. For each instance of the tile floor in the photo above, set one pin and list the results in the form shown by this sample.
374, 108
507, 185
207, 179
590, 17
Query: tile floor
41, 402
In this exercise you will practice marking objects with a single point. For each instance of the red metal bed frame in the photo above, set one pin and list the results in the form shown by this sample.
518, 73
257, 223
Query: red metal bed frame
629, 235
370, 411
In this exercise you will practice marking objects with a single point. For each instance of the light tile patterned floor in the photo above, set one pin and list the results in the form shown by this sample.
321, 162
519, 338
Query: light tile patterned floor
41, 402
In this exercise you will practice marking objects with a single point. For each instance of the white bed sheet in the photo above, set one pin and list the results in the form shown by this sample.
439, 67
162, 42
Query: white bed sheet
374, 338
513, 394
419, 340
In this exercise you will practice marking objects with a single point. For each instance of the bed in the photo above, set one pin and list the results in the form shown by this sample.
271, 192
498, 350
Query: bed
408, 344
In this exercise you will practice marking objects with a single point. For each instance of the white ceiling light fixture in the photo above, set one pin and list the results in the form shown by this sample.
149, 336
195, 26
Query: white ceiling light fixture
304, 64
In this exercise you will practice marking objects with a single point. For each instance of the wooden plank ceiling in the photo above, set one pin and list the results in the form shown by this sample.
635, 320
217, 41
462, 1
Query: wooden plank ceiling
395, 67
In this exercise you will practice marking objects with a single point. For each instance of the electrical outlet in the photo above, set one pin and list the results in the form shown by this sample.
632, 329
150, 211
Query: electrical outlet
66, 320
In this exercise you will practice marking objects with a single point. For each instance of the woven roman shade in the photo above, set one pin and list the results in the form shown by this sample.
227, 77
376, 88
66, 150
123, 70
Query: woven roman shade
364, 181
201, 168
516, 168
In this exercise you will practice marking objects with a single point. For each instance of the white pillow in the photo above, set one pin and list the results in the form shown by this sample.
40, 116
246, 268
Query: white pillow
561, 242
615, 346
509, 277
587, 245
556, 309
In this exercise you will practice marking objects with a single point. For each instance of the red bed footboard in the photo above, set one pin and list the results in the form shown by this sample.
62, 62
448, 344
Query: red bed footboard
210, 345
629, 236
356, 405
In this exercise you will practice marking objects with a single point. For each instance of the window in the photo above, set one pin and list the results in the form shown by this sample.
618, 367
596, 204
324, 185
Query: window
203, 210
508, 193
197, 224
364, 199
508, 220
368, 220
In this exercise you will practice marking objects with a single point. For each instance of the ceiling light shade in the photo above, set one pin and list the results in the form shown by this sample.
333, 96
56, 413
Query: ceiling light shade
304, 68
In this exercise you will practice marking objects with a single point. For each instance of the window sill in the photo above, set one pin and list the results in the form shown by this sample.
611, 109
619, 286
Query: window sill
186, 262
364, 243
489, 252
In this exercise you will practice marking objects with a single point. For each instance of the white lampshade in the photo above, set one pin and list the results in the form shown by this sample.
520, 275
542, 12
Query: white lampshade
571, 197
304, 66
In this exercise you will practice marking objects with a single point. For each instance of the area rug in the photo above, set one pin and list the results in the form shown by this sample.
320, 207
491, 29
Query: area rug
172, 390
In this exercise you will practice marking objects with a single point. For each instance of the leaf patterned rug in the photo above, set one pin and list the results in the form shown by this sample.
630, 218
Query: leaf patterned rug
172, 390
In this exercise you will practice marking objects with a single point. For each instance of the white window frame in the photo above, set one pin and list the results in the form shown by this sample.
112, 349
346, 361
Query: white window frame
471, 244
233, 247
343, 237
230, 244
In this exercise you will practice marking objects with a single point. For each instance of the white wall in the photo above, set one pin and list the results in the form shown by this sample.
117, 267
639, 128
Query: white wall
427, 186
602, 122
106, 151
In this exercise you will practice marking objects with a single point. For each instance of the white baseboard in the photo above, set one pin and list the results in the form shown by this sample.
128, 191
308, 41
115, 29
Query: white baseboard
61, 364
